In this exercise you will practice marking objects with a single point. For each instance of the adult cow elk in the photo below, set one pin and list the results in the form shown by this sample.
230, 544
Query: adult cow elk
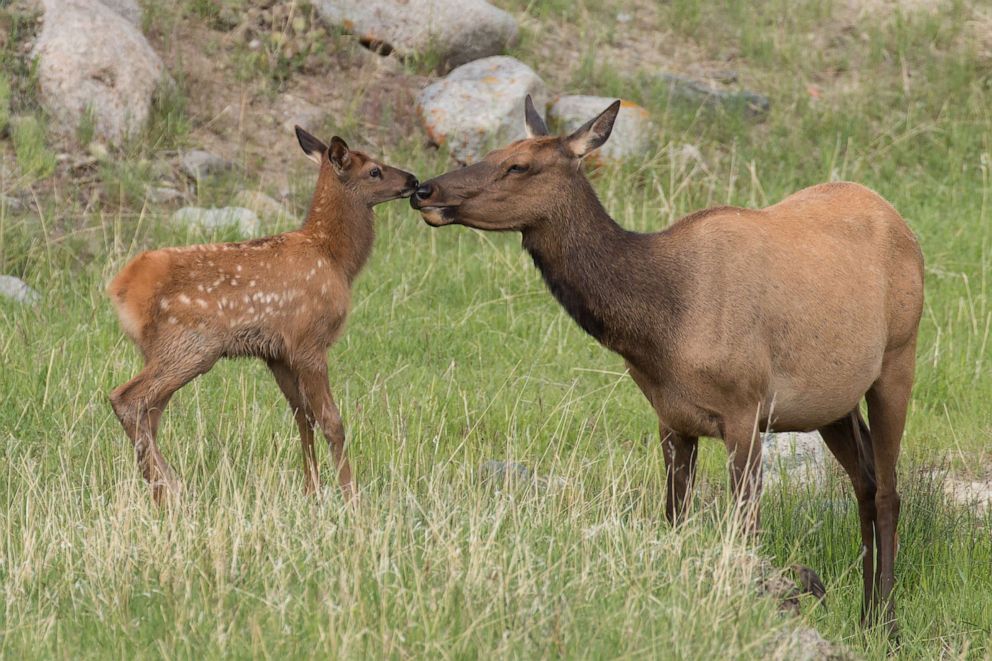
732, 321
283, 299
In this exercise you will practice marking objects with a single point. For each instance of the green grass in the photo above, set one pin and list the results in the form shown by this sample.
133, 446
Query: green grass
456, 354
34, 157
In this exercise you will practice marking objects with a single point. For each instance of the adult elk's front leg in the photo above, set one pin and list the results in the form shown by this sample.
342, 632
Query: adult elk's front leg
680, 455
680, 469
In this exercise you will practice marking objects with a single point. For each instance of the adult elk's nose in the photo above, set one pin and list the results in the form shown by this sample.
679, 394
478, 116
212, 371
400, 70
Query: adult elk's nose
422, 194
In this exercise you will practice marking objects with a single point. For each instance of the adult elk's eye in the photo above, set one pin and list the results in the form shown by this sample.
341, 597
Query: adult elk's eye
517, 169
375, 173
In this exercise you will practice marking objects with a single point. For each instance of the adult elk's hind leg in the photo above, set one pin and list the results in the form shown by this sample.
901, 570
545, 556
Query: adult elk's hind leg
740, 435
138, 405
289, 385
680, 468
317, 395
841, 438
888, 399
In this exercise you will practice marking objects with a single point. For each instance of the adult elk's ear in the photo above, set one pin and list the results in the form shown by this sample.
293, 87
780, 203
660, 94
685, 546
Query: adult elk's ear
312, 147
339, 154
535, 125
593, 133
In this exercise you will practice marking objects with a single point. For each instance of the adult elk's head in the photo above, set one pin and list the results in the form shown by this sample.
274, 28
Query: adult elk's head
517, 187
373, 181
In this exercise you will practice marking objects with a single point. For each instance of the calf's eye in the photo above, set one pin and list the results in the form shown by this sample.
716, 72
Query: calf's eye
375, 173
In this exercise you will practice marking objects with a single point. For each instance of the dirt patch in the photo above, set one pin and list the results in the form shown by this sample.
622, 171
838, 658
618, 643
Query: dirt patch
976, 494
248, 118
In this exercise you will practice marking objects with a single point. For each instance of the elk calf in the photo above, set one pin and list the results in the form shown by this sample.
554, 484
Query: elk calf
730, 321
282, 298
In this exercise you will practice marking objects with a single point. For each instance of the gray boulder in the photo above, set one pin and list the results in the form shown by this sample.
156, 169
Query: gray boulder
16, 289
264, 206
203, 219
793, 458
686, 89
479, 105
198, 164
632, 131
457, 32
92, 61
162, 194
128, 9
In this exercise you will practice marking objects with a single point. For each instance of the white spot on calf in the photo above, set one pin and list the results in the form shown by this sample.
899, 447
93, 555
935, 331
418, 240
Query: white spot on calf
164, 303
184, 299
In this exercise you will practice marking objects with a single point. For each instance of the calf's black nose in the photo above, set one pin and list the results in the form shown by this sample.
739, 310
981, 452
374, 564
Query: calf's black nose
412, 182
424, 191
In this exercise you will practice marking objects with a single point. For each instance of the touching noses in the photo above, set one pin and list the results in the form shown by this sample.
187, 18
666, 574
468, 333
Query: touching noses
423, 192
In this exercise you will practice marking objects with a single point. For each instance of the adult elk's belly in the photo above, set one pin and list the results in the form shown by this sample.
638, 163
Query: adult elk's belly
813, 385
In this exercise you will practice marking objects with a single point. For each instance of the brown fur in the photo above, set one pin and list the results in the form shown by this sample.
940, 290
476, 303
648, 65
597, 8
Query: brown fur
732, 320
283, 299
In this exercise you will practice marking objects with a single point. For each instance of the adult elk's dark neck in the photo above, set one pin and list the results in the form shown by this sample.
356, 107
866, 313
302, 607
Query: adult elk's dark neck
619, 286
341, 222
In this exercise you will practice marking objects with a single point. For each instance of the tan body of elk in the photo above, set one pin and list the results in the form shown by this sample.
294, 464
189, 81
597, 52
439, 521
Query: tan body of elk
732, 321
283, 299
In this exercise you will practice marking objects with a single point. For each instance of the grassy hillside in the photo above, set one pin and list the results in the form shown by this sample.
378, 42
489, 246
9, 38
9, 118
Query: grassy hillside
455, 354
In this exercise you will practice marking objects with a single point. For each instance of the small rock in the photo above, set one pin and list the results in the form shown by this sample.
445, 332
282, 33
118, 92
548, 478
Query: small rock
10, 205
632, 131
457, 32
812, 646
216, 218
94, 63
16, 290
505, 471
793, 458
127, 9
479, 105
264, 206
162, 194
294, 111
679, 87
98, 150
514, 473
198, 164
688, 155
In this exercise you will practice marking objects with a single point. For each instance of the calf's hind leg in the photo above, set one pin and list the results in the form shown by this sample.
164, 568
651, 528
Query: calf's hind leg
138, 405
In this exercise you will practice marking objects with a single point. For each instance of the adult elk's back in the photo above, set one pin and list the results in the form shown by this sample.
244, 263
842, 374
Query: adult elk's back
731, 321
283, 299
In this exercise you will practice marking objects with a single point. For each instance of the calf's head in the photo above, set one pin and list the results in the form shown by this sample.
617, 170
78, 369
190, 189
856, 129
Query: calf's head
369, 179
516, 187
